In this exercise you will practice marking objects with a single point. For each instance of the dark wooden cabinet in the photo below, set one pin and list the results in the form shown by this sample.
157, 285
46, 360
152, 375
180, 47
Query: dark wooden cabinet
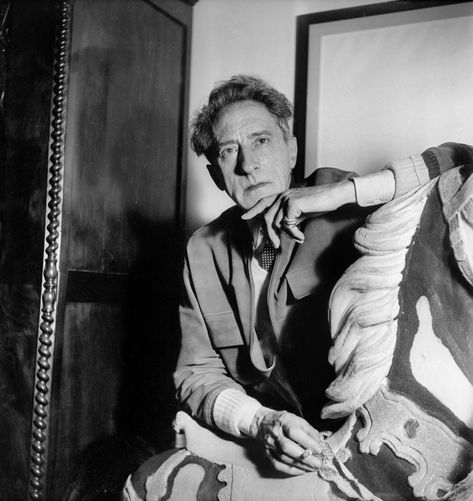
93, 146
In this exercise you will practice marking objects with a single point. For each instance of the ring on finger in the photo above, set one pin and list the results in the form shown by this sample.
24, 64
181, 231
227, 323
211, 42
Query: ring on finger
289, 222
306, 454
269, 442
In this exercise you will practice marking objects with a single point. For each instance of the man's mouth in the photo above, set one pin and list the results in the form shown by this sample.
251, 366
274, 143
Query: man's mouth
257, 186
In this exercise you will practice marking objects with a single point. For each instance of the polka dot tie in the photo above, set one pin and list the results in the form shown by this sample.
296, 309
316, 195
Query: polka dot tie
267, 256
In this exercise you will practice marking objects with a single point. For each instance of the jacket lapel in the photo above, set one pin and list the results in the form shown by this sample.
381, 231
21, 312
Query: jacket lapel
282, 263
239, 253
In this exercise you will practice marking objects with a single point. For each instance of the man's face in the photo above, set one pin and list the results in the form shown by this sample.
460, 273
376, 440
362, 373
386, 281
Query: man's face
253, 159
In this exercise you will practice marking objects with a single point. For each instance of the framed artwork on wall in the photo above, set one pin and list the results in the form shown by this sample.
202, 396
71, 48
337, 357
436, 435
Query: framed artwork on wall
382, 81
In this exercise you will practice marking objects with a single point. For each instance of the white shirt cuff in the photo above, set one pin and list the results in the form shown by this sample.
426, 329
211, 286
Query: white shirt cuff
234, 411
374, 189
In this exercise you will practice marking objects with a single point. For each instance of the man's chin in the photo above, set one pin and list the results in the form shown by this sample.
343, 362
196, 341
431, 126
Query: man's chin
255, 196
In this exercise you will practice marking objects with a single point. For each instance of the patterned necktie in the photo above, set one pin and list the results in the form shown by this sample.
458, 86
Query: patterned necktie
267, 256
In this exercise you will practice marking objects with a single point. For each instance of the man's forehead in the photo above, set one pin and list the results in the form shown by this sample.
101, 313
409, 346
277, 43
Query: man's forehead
245, 119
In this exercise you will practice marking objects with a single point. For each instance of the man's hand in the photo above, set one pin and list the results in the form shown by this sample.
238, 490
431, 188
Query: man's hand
285, 211
291, 444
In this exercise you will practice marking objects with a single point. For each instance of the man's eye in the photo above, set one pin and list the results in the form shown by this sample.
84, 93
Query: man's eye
226, 152
262, 140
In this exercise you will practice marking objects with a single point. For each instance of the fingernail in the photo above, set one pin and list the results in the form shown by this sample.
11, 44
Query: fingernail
313, 463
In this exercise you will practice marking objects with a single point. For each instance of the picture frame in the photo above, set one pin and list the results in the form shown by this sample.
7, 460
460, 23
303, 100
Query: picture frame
382, 81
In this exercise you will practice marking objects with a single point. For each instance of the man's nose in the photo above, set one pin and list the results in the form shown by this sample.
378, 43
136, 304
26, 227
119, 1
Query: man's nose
247, 160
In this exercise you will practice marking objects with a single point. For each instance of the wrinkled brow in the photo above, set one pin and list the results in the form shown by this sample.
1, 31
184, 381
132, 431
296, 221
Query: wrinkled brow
263, 132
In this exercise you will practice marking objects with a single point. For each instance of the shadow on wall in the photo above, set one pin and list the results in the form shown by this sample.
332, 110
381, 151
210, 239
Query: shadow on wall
124, 131
146, 404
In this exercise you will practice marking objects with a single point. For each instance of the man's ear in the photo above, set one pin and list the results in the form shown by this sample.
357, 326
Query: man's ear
292, 144
217, 176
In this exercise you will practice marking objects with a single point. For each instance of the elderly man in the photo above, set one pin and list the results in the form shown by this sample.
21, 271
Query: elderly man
255, 336
254, 333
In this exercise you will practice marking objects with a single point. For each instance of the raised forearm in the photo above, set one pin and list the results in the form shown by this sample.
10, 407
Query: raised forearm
416, 170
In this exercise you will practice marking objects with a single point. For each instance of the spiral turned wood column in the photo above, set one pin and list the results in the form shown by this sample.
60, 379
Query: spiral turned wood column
46, 333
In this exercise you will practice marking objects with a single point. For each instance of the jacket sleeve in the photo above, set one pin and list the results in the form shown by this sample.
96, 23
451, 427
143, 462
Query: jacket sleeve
414, 171
200, 375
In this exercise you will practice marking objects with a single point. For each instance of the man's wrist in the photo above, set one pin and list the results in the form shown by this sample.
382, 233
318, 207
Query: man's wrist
257, 419
349, 192
374, 189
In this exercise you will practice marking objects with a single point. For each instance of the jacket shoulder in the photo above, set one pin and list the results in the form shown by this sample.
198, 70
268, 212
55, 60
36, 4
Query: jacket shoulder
217, 230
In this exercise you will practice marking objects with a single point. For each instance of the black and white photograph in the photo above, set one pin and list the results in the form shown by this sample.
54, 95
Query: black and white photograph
236, 250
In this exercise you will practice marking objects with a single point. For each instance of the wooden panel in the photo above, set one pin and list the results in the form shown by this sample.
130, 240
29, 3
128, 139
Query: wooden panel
93, 287
122, 202
18, 326
117, 335
114, 387
23, 175
123, 150
89, 375
4, 28
27, 106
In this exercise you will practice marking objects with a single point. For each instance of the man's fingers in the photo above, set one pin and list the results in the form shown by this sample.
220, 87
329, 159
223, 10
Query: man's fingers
273, 236
260, 207
281, 466
280, 213
284, 441
296, 454
289, 226
280, 456
314, 434
288, 217
293, 209
271, 229
278, 217
291, 441
306, 441
294, 232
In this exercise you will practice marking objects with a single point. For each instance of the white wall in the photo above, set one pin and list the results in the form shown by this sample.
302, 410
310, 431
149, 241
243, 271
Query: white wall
402, 92
240, 36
